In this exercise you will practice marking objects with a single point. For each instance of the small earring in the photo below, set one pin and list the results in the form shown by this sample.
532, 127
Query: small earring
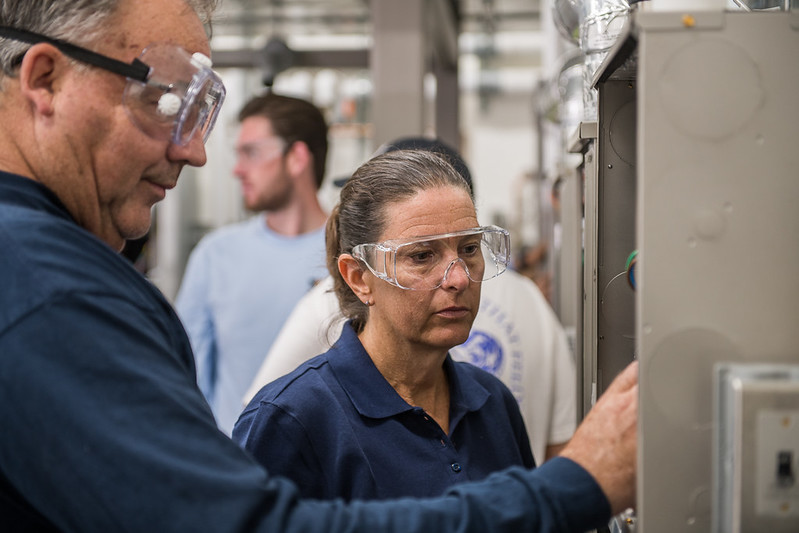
368, 302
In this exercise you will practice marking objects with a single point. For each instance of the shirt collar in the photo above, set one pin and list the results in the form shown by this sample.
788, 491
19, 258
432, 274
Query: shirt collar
373, 397
24, 191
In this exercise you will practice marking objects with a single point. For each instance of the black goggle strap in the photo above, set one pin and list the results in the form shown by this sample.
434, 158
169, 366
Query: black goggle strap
136, 70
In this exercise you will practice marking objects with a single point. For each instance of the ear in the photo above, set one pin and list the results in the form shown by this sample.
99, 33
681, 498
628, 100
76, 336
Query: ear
353, 275
299, 158
41, 70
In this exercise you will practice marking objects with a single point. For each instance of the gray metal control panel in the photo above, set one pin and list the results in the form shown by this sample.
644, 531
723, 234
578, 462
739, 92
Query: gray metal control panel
697, 169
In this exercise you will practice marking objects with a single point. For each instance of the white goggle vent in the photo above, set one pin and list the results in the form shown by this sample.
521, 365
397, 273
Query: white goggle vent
169, 104
202, 59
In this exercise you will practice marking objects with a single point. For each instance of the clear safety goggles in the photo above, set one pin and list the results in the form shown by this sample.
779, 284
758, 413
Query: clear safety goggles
425, 262
170, 95
181, 95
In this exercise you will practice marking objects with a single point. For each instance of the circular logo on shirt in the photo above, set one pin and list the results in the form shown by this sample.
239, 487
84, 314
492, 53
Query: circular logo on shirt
483, 351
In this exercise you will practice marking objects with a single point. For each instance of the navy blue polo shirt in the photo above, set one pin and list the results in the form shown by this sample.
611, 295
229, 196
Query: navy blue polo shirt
337, 428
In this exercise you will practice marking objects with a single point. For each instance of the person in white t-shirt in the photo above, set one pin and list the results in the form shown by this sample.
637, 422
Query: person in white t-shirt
515, 336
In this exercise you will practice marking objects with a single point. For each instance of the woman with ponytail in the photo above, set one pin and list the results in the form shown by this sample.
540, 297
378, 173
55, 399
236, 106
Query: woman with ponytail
386, 412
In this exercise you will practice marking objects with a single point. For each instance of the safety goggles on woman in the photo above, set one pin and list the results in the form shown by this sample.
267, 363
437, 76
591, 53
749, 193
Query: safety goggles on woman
423, 263
170, 95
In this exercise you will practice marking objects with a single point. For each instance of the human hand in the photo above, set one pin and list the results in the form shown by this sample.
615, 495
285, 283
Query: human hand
606, 442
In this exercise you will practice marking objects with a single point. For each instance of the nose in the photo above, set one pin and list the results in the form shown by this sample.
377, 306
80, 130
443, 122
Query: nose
456, 277
193, 152
239, 169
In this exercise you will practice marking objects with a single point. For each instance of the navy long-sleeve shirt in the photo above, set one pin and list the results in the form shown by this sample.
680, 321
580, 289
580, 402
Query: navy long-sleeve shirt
102, 426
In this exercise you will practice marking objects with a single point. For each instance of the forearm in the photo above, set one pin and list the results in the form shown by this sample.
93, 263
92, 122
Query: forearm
558, 497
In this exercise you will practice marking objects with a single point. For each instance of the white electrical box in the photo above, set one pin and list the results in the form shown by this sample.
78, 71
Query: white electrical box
756, 444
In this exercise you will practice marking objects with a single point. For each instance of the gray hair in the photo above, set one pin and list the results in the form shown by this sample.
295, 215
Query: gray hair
360, 216
77, 21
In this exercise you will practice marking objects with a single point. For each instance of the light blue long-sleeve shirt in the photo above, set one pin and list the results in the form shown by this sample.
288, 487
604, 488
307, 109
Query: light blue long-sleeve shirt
240, 284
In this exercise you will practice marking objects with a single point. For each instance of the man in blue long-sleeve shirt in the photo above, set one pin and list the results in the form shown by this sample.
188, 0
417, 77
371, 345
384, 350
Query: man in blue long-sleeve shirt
102, 427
